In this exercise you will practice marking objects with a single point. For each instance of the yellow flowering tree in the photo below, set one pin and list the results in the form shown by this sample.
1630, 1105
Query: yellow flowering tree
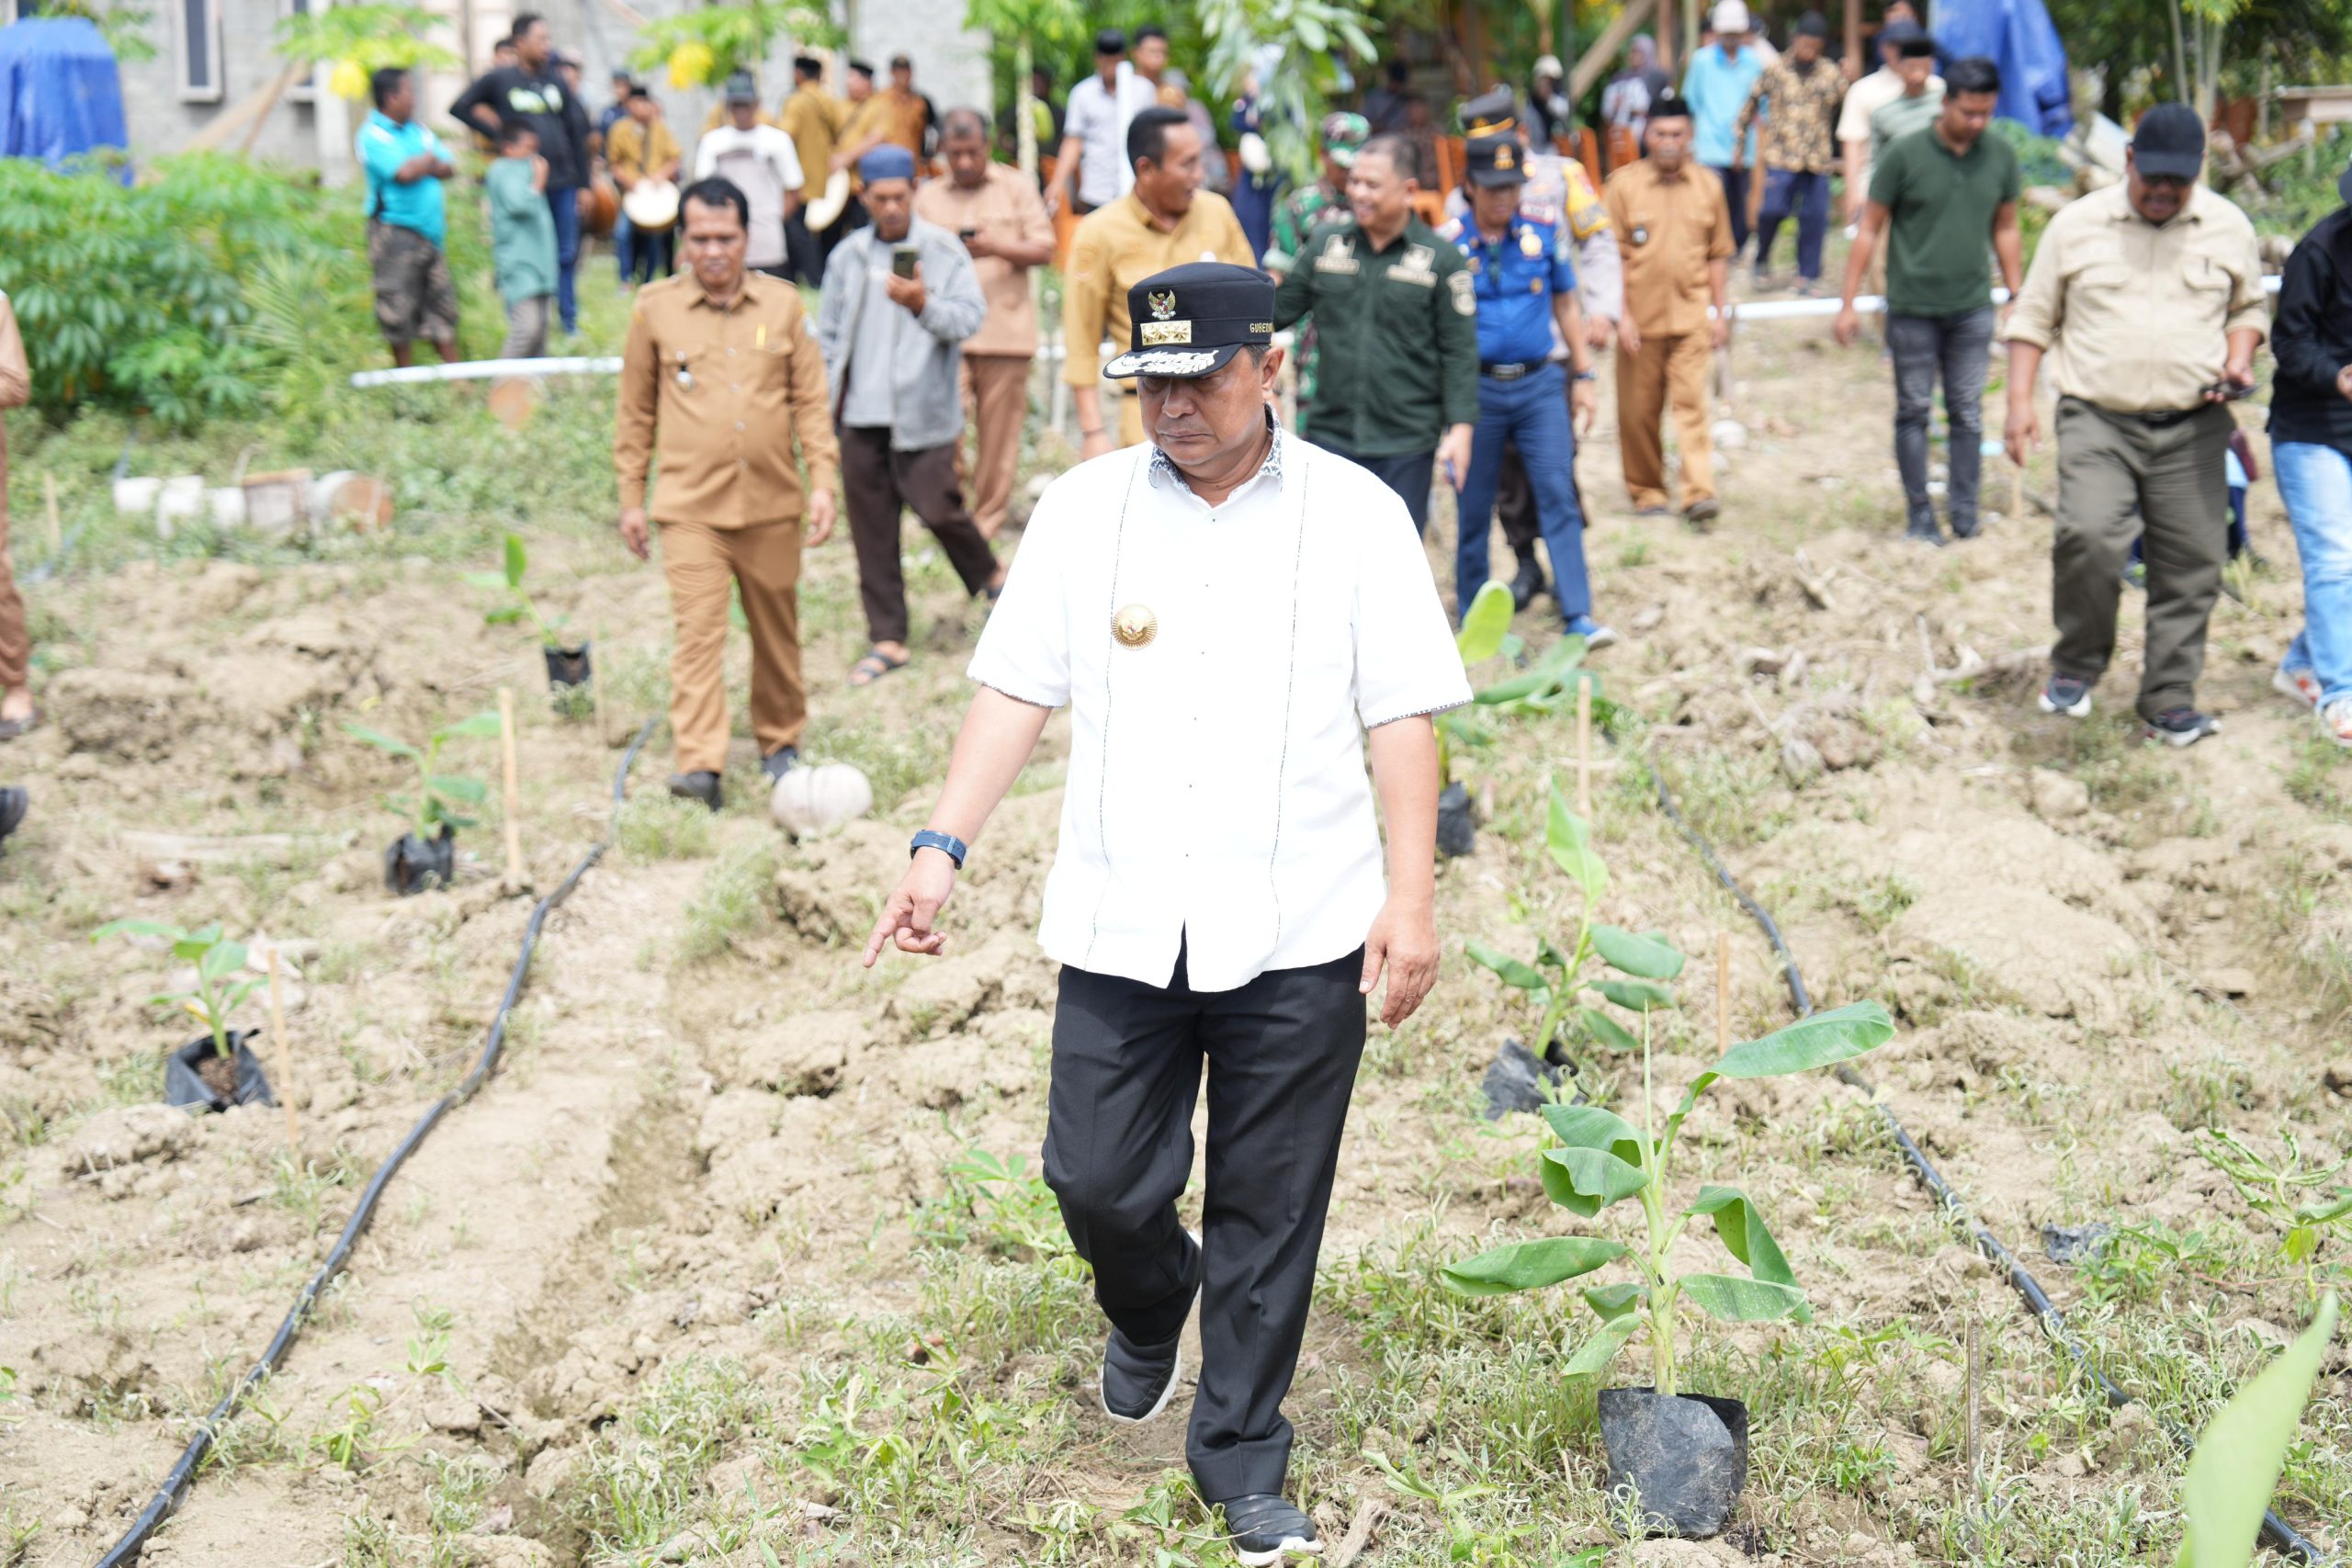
362, 40
699, 47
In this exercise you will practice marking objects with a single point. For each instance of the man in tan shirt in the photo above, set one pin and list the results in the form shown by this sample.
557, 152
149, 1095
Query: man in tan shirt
2151, 288
1166, 221
16, 714
720, 375
1002, 220
1673, 229
812, 118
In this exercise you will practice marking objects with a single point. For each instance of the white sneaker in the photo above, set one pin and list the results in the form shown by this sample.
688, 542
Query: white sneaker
2300, 684
2336, 721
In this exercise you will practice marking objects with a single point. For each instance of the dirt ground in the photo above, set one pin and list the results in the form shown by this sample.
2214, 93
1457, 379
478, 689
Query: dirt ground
741, 1258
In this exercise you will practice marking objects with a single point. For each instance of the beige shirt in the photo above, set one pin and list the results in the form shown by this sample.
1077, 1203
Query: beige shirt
1005, 208
718, 395
1117, 247
1669, 228
2141, 314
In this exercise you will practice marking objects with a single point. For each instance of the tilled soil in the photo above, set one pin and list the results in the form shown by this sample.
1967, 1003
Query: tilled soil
758, 1160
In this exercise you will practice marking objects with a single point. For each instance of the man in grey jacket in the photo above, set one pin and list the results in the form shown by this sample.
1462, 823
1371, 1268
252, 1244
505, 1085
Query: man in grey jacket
900, 300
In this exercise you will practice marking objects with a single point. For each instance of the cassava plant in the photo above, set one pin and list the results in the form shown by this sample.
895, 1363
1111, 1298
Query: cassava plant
435, 796
518, 604
217, 991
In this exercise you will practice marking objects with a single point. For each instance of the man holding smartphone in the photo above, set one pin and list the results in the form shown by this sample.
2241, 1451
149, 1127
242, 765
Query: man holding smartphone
2153, 286
1002, 220
900, 297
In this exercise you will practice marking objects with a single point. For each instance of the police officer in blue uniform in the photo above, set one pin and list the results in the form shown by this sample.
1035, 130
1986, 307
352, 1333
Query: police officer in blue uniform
1523, 281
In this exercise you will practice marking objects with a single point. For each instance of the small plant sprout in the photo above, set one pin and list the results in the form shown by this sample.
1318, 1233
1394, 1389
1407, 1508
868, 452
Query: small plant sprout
436, 796
2312, 1204
517, 605
1555, 982
217, 991
1602, 1158
1546, 687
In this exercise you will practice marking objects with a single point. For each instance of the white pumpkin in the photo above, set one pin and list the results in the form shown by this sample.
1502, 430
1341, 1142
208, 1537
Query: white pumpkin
812, 800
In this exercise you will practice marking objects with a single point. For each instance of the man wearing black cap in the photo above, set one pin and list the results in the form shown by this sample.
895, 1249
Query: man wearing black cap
1555, 191
1798, 150
1676, 225
1524, 286
1232, 616
760, 161
1399, 337
2153, 287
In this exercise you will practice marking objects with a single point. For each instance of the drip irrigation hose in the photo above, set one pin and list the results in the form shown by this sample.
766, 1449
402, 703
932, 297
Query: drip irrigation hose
2276, 1531
175, 1485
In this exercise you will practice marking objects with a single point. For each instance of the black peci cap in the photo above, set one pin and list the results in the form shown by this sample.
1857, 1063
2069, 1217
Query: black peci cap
1110, 41
2169, 143
1670, 105
1190, 320
1497, 161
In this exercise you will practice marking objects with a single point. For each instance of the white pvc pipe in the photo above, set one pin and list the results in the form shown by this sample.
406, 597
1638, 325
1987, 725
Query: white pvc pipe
497, 369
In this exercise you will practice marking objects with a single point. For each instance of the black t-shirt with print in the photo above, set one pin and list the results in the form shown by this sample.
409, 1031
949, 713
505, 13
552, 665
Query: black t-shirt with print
544, 105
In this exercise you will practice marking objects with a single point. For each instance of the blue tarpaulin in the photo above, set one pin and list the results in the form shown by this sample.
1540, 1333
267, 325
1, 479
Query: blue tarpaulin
60, 93
2019, 36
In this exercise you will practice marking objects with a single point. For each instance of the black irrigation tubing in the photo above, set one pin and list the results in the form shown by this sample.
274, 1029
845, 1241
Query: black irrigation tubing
183, 1475
2276, 1531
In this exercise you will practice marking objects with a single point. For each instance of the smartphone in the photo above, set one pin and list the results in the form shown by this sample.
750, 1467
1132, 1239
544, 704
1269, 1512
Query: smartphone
2229, 392
965, 234
902, 260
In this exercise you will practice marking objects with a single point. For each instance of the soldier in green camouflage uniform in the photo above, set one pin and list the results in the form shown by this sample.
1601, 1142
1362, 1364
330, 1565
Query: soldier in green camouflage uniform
1296, 219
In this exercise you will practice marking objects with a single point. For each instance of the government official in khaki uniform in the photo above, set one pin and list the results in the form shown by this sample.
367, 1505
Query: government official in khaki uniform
1674, 231
1167, 219
2152, 291
1002, 220
719, 376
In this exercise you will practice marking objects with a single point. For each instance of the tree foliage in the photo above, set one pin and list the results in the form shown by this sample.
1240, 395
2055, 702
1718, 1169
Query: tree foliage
370, 36
713, 42
1312, 44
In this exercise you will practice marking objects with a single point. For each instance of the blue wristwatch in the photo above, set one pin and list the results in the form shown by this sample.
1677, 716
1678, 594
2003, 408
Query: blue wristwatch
948, 844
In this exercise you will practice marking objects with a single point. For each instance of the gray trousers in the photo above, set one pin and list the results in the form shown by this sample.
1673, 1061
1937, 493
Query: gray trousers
1281, 1053
2118, 475
1958, 349
526, 328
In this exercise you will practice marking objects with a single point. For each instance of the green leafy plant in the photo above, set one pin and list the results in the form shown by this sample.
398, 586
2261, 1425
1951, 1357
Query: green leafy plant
1602, 1159
217, 991
2242, 1450
2312, 1204
1555, 982
435, 796
711, 43
1029, 24
519, 605
1310, 40
363, 37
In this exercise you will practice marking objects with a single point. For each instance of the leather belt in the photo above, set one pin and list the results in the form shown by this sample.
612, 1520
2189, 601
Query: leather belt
1502, 371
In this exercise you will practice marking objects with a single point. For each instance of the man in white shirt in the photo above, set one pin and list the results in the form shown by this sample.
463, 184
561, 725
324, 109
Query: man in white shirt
1882, 87
763, 164
1092, 170
1228, 613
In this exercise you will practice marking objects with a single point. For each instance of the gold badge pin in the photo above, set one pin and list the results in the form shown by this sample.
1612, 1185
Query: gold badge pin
1134, 625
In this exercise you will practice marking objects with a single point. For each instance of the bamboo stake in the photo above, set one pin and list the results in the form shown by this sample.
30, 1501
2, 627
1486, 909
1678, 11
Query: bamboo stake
1976, 1373
1722, 994
285, 1061
514, 817
1584, 747
596, 684
48, 492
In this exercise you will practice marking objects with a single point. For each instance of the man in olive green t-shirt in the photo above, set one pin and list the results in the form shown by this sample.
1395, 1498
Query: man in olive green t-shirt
1939, 196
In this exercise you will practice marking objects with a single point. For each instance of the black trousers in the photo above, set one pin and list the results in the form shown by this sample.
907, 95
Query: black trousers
1515, 499
876, 485
1407, 473
1281, 1053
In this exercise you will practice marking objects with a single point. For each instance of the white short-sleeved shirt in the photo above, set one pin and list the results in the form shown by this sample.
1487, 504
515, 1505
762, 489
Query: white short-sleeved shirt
1098, 117
1217, 794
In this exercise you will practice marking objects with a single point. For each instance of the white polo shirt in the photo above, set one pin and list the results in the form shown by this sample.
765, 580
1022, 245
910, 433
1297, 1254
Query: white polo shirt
1218, 793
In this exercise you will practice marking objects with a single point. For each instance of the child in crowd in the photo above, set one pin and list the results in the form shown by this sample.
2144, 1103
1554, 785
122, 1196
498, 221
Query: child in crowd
522, 239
